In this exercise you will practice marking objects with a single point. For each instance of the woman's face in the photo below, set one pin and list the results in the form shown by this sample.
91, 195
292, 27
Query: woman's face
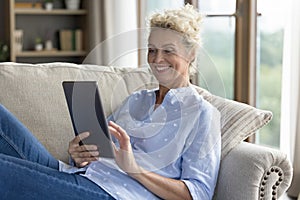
168, 58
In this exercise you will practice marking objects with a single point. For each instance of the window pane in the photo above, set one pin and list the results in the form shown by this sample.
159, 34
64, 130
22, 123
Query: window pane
216, 61
217, 6
154, 5
269, 54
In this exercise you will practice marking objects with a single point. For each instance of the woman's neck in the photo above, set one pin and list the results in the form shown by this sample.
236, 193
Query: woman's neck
161, 93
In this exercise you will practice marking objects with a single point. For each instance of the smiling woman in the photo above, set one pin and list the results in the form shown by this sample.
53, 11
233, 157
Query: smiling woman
167, 140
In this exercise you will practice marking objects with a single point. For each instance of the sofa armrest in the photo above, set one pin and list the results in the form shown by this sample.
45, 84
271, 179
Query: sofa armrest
251, 172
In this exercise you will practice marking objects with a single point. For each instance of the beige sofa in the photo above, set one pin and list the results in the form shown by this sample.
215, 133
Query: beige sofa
33, 92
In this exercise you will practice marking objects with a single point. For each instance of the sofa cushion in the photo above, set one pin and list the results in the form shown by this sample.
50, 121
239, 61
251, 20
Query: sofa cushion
238, 120
33, 92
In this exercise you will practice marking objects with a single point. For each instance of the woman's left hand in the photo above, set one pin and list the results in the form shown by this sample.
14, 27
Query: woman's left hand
124, 155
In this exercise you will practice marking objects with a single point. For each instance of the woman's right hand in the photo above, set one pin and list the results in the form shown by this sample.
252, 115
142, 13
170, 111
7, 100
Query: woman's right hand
82, 155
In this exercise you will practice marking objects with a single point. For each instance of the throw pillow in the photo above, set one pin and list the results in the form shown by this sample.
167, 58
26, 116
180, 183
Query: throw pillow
238, 120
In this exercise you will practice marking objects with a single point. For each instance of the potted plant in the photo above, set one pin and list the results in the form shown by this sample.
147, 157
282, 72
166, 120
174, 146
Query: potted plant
38, 44
48, 41
72, 4
48, 4
4, 54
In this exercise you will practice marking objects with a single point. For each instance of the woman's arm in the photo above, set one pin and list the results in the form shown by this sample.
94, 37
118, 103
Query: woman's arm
165, 188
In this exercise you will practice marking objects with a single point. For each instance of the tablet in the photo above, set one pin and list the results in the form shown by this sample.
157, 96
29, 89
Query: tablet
87, 114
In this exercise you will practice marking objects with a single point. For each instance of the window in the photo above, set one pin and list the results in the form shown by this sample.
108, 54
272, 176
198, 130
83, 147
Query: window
268, 47
216, 61
269, 54
159, 5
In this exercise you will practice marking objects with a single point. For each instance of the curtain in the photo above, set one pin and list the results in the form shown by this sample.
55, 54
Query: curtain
112, 32
290, 120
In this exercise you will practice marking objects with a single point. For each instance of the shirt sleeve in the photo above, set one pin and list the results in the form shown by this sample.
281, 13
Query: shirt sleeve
201, 160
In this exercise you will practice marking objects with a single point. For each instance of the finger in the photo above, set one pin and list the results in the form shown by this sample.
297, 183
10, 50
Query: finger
80, 137
83, 148
86, 154
114, 132
83, 162
120, 134
88, 157
118, 129
114, 125
73, 144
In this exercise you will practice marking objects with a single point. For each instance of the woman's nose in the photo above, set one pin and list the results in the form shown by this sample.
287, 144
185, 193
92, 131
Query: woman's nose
158, 56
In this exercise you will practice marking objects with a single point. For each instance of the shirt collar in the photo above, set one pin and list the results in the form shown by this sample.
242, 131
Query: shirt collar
177, 94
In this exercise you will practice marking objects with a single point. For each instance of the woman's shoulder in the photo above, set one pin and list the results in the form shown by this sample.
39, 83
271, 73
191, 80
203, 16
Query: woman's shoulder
204, 105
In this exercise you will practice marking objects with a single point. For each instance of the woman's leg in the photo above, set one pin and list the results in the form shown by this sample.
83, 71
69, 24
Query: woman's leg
22, 179
16, 140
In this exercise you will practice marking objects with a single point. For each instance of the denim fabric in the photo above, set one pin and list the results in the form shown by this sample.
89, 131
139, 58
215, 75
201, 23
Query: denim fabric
29, 171
16, 140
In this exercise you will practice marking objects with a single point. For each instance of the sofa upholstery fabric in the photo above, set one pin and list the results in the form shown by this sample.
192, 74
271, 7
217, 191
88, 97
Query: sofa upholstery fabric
33, 92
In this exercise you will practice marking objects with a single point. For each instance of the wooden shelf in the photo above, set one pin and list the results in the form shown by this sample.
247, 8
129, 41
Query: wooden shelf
54, 53
39, 22
37, 11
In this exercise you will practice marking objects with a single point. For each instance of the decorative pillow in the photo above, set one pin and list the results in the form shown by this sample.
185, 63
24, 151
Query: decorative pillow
238, 120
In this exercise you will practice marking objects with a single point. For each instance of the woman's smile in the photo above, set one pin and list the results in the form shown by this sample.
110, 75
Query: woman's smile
162, 69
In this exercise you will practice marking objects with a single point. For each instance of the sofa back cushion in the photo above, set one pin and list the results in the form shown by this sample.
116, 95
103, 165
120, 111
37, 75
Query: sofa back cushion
34, 94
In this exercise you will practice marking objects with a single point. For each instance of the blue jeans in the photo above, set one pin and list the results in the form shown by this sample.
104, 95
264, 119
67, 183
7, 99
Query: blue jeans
29, 171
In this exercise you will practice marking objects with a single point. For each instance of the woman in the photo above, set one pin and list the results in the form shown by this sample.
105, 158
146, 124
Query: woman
167, 140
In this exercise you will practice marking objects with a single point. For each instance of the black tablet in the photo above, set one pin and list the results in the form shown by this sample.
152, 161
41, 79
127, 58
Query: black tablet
87, 114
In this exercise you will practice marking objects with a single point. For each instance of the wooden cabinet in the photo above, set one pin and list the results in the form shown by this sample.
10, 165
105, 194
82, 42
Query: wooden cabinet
45, 24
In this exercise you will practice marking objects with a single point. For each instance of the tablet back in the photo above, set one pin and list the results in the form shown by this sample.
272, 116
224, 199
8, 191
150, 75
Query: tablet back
87, 114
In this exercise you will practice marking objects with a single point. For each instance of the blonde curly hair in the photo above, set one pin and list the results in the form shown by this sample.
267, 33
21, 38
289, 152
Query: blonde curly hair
185, 20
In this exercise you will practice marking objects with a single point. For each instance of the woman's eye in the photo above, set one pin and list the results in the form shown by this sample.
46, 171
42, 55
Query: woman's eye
169, 51
151, 51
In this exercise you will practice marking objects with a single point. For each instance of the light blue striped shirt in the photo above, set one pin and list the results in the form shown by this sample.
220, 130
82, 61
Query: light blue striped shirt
180, 139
